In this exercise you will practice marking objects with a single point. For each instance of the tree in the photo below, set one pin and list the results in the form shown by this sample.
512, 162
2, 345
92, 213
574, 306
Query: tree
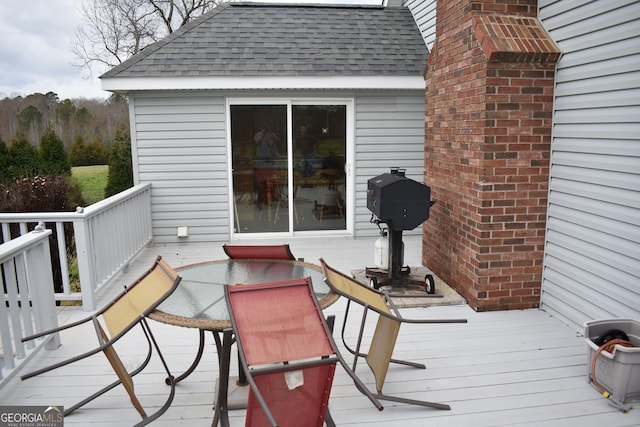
23, 157
5, 163
120, 167
52, 154
96, 154
30, 121
82, 116
83, 154
78, 152
115, 30
65, 110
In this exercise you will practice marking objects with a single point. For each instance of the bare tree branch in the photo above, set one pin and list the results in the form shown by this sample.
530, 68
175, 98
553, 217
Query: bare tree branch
115, 30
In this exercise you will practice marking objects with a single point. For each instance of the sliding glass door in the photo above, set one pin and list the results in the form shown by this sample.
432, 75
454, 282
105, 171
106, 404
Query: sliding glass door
288, 166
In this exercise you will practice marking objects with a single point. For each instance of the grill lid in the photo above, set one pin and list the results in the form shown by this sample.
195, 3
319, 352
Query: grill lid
398, 201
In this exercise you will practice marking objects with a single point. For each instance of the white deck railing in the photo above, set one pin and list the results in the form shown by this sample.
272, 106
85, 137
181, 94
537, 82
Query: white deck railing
106, 236
27, 305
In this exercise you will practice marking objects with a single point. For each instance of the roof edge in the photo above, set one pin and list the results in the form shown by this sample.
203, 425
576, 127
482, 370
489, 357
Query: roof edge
319, 4
126, 84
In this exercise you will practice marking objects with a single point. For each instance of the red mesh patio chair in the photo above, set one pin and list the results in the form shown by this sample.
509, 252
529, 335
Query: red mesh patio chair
386, 332
112, 322
287, 353
258, 252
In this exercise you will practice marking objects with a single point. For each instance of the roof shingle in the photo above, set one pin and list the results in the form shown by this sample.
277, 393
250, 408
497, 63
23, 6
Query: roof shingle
285, 40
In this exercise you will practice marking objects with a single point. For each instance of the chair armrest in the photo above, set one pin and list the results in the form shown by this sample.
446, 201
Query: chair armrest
405, 320
54, 330
398, 317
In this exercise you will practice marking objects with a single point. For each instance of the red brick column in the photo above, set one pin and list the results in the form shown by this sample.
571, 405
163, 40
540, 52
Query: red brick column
489, 99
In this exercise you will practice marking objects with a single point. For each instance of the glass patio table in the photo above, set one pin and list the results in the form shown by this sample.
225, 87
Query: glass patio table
199, 302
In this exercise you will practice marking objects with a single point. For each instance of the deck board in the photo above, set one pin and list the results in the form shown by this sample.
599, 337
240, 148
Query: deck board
510, 368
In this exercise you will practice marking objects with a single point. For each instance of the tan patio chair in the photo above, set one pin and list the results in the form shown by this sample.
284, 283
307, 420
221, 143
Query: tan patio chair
287, 353
112, 322
258, 252
386, 332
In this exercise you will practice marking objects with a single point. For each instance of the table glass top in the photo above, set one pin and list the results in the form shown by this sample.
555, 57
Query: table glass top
200, 294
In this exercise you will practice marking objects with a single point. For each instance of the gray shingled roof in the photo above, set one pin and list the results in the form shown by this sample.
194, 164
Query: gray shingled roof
259, 40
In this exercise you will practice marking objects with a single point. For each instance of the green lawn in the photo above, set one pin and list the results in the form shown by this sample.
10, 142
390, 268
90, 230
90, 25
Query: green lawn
92, 180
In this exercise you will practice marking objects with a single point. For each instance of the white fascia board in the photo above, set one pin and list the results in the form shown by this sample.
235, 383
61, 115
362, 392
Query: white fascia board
126, 84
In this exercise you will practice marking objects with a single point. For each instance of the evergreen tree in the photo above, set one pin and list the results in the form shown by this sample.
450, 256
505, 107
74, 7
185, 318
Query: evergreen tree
53, 155
30, 122
23, 157
29, 117
78, 152
120, 167
96, 154
5, 163
65, 111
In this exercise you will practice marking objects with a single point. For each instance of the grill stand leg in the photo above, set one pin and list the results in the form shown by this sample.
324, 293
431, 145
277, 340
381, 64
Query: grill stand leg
395, 254
397, 275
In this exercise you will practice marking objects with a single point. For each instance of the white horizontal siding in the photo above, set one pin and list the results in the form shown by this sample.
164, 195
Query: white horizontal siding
424, 13
180, 146
592, 250
389, 133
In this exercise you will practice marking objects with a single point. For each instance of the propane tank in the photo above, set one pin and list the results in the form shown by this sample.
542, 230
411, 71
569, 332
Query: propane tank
381, 254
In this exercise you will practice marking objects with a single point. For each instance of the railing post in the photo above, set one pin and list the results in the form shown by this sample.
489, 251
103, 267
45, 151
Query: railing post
39, 274
5, 338
85, 262
63, 262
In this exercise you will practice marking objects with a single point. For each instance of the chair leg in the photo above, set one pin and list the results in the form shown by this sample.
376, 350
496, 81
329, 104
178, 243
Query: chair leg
70, 410
235, 212
442, 406
379, 395
276, 217
331, 321
328, 420
356, 351
194, 364
359, 384
114, 384
125, 380
167, 403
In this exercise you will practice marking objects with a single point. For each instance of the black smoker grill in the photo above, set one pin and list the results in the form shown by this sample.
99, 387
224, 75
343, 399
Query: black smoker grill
402, 204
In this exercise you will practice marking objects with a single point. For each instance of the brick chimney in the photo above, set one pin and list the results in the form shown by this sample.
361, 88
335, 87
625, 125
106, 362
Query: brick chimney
490, 80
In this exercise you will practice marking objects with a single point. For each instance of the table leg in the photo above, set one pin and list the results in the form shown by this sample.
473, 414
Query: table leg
221, 410
242, 377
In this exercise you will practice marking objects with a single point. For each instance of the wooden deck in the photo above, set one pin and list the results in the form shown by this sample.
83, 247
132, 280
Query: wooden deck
500, 369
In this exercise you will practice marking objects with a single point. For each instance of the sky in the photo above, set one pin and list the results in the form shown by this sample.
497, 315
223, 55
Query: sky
35, 50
